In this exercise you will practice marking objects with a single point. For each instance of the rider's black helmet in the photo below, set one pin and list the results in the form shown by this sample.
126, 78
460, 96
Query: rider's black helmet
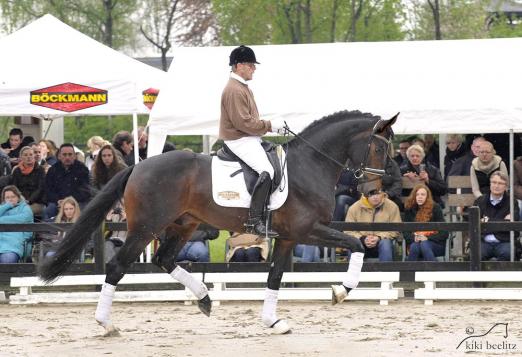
242, 54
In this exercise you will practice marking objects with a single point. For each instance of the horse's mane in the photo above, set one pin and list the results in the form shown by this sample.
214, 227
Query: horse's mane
335, 118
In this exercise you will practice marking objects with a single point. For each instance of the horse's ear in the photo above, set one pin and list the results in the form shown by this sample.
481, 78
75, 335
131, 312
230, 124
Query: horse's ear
383, 124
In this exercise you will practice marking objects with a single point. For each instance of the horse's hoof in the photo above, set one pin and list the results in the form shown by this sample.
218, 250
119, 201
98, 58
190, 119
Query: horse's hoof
281, 328
111, 331
205, 305
339, 293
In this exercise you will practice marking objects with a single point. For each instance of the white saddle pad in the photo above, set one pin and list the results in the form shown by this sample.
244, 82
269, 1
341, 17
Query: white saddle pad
232, 192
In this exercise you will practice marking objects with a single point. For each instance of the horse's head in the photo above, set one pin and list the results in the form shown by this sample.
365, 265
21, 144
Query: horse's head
372, 166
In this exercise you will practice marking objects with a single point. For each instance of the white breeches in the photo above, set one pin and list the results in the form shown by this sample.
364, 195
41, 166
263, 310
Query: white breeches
249, 150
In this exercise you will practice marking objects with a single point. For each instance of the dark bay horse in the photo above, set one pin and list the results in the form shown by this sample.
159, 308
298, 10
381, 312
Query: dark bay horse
172, 193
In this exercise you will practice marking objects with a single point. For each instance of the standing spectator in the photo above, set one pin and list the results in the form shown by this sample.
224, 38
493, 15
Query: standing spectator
483, 166
419, 172
462, 165
454, 150
13, 210
13, 145
68, 177
420, 207
196, 249
143, 141
494, 206
48, 151
106, 165
400, 158
123, 144
95, 143
29, 178
518, 183
244, 247
377, 207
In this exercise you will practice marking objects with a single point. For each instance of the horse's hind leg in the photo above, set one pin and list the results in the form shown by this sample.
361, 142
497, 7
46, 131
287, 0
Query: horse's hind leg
116, 269
280, 258
176, 236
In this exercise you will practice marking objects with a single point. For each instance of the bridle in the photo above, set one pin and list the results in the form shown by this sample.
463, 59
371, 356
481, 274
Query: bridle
364, 169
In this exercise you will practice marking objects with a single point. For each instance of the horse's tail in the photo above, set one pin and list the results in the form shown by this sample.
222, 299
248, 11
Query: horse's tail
90, 219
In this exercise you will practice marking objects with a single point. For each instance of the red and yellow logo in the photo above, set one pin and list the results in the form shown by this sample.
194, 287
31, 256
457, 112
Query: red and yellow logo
149, 97
69, 97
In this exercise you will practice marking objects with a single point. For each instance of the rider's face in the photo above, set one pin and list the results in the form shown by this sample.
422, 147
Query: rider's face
246, 70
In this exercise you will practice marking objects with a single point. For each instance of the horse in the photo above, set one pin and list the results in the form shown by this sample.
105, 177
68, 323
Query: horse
171, 193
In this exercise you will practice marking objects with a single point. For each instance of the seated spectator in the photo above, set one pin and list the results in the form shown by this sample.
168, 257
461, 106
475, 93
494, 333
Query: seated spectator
307, 253
37, 150
455, 149
48, 152
196, 249
400, 158
5, 169
418, 172
462, 165
483, 166
494, 206
392, 182
107, 164
377, 207
123, 144
29, 178
518, 183
13, 210
420, 207
115, 239
69, 213
346, 194
244, 247
95, 143
13, 146
68, 177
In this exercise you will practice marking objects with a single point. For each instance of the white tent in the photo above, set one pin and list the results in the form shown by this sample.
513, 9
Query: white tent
463, 86
79, 75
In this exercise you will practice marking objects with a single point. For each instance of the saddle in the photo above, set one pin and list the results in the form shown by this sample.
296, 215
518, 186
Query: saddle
250, 175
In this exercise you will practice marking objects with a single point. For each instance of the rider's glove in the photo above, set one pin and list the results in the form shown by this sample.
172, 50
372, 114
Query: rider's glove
278, 126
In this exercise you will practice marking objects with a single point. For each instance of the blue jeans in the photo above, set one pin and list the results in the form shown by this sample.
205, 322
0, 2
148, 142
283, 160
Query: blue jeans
307, 253
501, 251
426, 249
9, 258
195, 252
247, 255
383, 251
341, 201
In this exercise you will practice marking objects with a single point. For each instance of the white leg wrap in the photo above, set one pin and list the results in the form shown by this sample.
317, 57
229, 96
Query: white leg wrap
354, 270
268, 315
103, 310
198, 288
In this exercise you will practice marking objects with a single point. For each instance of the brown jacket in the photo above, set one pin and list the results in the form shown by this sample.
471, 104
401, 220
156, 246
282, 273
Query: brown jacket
239, 115
362, 211
245, 241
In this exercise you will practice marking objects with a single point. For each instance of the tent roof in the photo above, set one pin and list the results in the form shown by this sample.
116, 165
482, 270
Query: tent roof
48, 52
462, 86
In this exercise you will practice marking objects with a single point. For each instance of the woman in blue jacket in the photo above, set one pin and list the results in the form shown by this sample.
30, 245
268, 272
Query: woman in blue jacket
13, 209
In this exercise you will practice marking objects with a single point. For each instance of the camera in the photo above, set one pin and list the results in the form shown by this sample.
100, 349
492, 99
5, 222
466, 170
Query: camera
422, 167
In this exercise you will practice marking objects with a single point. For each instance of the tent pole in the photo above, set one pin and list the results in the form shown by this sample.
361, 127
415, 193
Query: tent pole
206, 144
135, 138
511, 193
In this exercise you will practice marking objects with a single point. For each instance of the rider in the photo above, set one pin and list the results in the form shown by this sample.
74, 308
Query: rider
241, 130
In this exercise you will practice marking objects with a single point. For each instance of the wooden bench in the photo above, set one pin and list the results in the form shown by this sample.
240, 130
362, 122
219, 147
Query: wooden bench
384, 293
26, 296
459, 199
430, 291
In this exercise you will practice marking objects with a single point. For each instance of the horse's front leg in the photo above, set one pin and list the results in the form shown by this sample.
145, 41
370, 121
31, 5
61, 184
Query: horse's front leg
326, 236
280, 258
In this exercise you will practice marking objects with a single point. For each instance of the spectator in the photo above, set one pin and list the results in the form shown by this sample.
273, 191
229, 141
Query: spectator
420, 207
483, 166
518, 183
454, 150
95, 143
29, 178
392, 182
400, 158
37, 150
68, 177
80, 156
418, 172
196, 249
13, 210
48, 151
462, 165
122, 142
5, 169
244, 247
494, 206
13, 145
307, 253
143, 141
106, 165
115, 239
377, 207
346, 194
69, 213
431, 148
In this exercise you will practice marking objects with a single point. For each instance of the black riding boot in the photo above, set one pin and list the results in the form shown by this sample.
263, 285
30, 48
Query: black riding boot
256, 224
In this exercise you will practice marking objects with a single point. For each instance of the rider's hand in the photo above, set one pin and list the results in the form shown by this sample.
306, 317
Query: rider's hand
277, 126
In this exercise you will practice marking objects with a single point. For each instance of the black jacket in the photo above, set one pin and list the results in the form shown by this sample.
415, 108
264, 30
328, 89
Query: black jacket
73, 181
436, 184
32, 186
437, 216
496, 214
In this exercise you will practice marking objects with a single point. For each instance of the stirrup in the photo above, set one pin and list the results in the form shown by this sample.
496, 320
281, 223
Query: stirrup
262, 230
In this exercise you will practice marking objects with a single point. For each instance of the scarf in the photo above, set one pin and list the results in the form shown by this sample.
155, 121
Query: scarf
486, 168
25, 170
